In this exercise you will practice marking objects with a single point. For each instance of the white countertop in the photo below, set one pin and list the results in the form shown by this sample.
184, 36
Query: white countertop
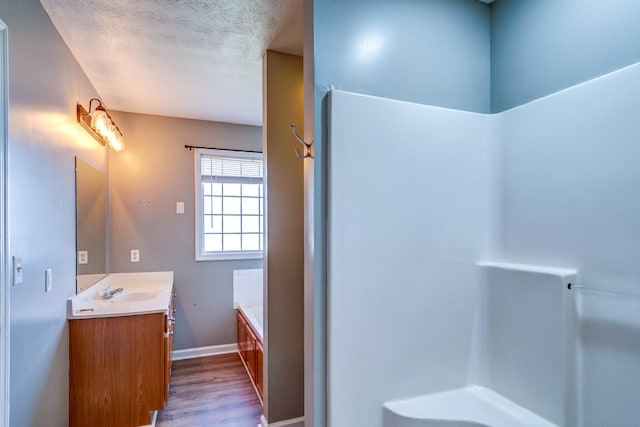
142, 293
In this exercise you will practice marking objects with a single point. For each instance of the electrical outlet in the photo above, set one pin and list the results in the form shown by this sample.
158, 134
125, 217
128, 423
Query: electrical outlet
48, 279
18, 276
135, 255
179, 207
83, 257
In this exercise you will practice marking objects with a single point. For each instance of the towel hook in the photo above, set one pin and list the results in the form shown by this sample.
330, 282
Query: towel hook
307, 146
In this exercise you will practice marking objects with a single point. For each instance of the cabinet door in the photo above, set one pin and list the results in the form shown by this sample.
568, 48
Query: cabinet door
259, 368
251, 362
242, 337
116, 370
251, 352
247, 344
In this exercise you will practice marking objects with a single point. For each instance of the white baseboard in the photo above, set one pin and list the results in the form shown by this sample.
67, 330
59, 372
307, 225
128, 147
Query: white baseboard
293, 422
213, 350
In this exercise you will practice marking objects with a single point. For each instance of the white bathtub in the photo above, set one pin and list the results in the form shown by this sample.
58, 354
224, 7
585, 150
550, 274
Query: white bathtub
254, 314
465, 407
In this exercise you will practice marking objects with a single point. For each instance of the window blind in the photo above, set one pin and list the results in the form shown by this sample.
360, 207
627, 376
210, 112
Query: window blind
216, 168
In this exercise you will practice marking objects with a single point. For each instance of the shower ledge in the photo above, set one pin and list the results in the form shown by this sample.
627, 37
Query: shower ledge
473, 406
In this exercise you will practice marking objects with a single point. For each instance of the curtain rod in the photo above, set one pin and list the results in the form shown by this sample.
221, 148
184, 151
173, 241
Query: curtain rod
191, 147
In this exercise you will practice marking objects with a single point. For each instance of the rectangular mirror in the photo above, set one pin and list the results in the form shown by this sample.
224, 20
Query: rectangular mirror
91, 225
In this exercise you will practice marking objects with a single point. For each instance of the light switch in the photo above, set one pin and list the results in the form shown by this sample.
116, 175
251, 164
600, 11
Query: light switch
83, 257
180, 207
17, 270
135, 255
48, 279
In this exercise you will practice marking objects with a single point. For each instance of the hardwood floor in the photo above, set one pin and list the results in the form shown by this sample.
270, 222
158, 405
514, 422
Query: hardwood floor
210, 392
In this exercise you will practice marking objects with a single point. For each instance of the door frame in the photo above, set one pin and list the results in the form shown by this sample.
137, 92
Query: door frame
5, 283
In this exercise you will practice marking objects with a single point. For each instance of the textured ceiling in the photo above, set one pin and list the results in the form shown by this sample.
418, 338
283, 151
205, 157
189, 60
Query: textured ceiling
198, 59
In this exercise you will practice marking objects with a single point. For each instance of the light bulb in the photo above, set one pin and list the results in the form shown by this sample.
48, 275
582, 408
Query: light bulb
111, 136
102, 124
117, 144
99, 121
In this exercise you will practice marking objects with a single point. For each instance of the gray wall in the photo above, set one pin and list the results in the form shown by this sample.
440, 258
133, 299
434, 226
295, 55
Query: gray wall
431, 52
543, 46
146, 180
284, 217
45, 82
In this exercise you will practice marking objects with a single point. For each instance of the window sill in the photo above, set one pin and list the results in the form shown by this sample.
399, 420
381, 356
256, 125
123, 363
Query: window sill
229, 256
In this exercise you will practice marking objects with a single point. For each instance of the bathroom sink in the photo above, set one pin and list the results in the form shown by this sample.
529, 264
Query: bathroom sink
135, 296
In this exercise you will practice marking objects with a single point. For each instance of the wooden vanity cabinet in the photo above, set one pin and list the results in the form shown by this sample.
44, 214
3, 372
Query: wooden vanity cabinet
250, 349
119, 369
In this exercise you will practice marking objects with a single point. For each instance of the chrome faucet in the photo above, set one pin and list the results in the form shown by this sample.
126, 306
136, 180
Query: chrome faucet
108, 293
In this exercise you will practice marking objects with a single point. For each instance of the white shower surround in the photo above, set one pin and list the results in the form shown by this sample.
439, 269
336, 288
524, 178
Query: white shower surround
418, 194
412, 197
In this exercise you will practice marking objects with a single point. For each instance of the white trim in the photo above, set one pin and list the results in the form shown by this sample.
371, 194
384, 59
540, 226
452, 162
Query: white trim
212, 350
294, 422
4, 229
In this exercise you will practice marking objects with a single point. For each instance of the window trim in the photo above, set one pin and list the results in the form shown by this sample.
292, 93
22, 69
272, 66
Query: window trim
200, 255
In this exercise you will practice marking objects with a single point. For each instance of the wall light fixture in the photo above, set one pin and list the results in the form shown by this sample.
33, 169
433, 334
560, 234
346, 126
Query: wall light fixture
100, 125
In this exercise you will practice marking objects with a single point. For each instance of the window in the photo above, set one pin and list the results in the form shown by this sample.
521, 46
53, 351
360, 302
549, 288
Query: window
229, 205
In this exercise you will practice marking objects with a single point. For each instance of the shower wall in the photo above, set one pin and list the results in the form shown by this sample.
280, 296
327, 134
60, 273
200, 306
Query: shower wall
526, 346
434, 52
418, 194
571, 180
571, 199
562, 191
412, 193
